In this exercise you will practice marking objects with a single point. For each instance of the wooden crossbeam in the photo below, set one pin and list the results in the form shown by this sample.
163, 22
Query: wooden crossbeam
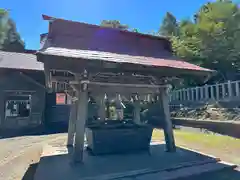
102, 87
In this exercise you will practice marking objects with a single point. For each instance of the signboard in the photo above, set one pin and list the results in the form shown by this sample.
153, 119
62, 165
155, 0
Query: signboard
60, 98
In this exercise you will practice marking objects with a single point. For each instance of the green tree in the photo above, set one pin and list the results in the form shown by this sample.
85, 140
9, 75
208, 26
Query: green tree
9, 37
169, 26
114, 24
3, 26
212, 39
135, 30
13, 41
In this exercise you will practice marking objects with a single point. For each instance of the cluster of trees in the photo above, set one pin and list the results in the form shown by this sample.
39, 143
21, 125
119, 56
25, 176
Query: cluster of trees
116, 24
10, 39
211, 39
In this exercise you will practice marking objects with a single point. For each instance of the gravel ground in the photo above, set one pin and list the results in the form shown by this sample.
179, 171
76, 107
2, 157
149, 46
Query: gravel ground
18, 153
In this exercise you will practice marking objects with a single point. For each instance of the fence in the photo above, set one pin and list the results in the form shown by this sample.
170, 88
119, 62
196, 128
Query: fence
221, 127
228, 90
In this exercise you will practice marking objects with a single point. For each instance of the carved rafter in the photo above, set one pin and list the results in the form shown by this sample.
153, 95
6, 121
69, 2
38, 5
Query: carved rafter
97, 88
120, 81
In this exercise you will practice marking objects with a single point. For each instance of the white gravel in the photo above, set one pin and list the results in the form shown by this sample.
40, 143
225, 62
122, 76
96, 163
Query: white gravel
16, 154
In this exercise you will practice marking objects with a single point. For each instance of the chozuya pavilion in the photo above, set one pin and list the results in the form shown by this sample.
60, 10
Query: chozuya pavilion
96, 62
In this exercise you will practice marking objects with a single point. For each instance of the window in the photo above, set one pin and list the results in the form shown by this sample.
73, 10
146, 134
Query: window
18, 106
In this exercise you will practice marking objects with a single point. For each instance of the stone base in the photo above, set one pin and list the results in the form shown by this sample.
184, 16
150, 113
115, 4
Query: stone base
56, 164
118, 140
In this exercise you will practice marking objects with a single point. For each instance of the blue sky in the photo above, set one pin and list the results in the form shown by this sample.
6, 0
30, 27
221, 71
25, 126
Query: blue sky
145, 15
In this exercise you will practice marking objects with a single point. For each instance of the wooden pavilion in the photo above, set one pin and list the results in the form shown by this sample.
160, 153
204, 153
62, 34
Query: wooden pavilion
93, 60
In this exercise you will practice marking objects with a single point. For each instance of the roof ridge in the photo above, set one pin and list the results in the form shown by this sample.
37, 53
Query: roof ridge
51, 18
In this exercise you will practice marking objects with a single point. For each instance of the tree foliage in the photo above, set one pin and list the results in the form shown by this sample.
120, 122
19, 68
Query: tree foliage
10, 39
114, 24
169, 26
211, 39
3, 27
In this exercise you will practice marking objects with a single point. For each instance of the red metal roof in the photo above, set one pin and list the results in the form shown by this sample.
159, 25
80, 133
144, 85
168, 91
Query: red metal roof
122, 58
80, 40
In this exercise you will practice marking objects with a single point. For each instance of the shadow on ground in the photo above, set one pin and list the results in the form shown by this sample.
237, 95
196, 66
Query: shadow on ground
29, 174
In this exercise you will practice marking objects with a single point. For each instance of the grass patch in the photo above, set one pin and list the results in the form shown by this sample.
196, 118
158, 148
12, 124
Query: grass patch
224, 147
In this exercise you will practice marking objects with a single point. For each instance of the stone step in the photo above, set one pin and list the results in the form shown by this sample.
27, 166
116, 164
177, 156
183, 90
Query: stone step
188, 171
55, 159
156, 172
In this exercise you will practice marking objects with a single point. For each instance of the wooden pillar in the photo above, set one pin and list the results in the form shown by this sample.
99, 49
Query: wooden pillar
137, 109
223, 91
192, 91
237, 88
181, 95
47, 76
229, 89
170, 97
217, 92
212, 92
101, 103
206, 92
168, 129
82, 109
184, 95
148, 97
119, 108
72, 123
197, 93
107, 108
201, 93
188, 94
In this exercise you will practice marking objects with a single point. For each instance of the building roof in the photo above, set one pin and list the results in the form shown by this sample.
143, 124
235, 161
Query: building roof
91, 42
14, 60
50, 18
121, 58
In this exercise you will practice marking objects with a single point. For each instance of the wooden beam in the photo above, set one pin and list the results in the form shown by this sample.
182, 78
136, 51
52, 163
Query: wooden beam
123, 91
100, 87
168, 129
121, 84
47, 76
80, 124
72, 124
62, 78
137, 109
101, 105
